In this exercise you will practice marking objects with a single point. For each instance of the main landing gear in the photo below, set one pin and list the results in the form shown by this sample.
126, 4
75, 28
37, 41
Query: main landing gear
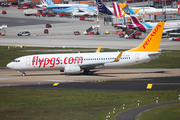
87, 72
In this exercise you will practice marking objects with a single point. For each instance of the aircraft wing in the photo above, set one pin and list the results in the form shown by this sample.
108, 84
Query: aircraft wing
99, 65
92, 66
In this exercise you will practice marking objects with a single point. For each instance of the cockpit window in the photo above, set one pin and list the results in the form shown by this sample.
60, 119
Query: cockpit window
16, 61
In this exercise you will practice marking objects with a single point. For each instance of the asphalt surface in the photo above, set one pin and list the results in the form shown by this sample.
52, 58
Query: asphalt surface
25, 21
132, 113
164, 83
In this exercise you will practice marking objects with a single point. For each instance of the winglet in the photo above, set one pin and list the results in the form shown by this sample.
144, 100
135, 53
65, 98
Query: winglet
98, 50
118, 57
152, 41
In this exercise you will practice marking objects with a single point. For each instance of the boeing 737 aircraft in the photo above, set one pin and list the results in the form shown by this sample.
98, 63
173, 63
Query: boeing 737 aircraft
73, 63
52, 7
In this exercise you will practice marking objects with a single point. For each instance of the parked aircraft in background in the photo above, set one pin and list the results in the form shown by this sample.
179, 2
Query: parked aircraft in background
44, 4
73, 63
170, 26
147, 26
52, 7
109, 10
144, 10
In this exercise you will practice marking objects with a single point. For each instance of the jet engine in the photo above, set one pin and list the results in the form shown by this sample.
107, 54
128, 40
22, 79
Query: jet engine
72, 69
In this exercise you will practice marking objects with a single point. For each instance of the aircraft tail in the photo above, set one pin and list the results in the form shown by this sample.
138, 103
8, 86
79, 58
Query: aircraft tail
50, 3
126, 8
117, 10
135, 20
152, 41
102, 8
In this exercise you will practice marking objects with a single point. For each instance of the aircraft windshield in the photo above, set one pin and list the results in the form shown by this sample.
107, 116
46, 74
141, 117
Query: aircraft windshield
16, 61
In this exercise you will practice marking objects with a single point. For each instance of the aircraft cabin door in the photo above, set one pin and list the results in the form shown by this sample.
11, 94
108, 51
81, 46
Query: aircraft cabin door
137, 57
28, 62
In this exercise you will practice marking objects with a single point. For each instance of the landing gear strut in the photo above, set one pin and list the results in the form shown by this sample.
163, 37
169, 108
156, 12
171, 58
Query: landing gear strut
87, 72
23, 73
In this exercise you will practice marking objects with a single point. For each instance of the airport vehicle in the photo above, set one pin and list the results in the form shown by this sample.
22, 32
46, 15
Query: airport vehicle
52, 7
74, 63
23, 7
174, 36
24, 33
76, 33
46, 31
29, 12
4, 12
48, 26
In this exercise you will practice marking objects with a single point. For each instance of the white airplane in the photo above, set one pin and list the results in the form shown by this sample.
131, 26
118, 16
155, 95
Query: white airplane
52, 7
73, 63
44, 4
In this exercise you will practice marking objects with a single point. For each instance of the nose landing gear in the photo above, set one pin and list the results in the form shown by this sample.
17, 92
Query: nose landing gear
23, 73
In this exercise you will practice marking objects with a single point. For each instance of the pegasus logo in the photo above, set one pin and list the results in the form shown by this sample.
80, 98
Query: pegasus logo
48, 2
150, 37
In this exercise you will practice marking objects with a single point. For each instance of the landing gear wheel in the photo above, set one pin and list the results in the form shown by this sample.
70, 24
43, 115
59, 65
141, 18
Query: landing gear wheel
24, 74
87, 72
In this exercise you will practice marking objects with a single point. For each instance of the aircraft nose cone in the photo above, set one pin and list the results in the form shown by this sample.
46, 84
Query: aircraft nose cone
9, 65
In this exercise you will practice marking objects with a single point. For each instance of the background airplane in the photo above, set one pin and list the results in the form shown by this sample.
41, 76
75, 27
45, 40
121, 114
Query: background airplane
52, 7
148, 26
44, 4
73, 63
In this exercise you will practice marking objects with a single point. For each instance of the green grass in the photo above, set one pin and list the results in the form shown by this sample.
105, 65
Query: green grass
168, 59
73, 104
170, 112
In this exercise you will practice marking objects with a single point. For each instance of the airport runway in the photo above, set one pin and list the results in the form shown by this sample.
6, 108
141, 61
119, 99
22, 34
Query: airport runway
138, 84
123, 79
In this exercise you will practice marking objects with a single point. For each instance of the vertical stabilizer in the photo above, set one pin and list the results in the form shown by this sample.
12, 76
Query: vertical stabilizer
152, 41
102, 8
135, 20
117, 10
50, 3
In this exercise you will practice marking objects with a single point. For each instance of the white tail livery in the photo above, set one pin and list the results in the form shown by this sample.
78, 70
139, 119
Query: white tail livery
73, 63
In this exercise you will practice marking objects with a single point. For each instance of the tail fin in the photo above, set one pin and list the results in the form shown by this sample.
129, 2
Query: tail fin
117, 10
102, 8
126, 8
135, 20
50, 3
44, 4
152, 41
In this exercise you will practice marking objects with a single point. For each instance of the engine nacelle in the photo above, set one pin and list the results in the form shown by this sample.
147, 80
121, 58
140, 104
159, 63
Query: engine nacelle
72, 69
